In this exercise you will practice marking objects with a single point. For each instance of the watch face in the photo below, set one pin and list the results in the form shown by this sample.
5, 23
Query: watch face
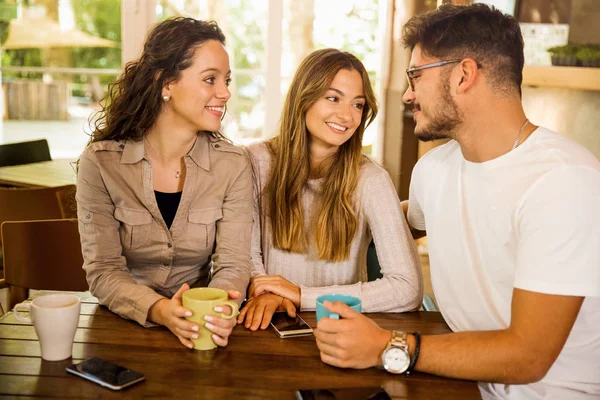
396, 360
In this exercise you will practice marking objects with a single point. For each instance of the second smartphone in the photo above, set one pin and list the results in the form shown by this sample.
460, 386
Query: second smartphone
287, 326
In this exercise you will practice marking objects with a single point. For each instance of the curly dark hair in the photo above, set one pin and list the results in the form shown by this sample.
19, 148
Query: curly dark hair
133, 101
478, 31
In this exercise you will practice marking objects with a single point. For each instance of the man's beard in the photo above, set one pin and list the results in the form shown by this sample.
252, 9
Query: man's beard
444, 121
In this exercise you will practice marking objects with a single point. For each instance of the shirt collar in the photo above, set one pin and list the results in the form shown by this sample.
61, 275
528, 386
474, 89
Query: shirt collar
200, 151
134, 151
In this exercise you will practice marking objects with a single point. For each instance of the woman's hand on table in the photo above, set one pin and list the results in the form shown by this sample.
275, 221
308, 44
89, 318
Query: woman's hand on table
221, 327
275, 284
259, 310
171, 313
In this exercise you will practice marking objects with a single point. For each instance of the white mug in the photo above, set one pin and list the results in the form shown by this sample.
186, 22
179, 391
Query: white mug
55, 318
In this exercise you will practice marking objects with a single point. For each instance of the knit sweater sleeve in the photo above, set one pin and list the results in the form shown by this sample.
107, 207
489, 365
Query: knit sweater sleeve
401, 287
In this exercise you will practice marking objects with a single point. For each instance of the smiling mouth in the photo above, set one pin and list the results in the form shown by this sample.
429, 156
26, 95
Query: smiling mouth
336, 128
415, 110
219, 110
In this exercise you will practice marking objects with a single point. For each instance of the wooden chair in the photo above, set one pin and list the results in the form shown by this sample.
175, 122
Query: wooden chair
66, 201
28, 204
42, 255
24, 152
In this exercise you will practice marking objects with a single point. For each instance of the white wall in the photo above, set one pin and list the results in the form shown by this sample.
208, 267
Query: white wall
572, 113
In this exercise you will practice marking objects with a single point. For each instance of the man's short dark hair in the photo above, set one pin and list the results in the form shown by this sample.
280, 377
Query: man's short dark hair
478, 31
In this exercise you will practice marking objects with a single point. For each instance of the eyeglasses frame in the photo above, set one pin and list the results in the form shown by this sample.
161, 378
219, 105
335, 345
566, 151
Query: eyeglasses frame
409, 71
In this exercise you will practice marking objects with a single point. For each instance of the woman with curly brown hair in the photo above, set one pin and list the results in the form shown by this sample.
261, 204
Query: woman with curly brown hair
164, 200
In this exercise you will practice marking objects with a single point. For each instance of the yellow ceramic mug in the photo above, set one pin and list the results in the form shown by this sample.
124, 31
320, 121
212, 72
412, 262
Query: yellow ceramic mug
201, 302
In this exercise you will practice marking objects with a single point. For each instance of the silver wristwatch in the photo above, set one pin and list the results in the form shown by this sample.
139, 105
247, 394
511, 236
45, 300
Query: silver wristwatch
396, 358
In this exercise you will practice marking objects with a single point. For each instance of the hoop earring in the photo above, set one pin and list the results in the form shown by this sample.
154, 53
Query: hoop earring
166, 97
224, 111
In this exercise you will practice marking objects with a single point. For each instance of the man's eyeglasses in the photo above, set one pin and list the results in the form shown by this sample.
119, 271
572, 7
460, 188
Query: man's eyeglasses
410, 71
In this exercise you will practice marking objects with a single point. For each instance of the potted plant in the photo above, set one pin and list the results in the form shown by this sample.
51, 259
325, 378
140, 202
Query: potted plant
589, 56
564, 55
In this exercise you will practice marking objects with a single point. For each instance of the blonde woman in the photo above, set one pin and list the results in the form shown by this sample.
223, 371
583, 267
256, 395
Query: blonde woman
320, 202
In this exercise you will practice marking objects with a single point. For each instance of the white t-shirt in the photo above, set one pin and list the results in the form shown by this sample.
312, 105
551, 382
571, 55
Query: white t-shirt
529, 219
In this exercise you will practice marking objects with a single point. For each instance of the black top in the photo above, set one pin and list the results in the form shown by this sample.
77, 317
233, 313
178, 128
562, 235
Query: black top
168, 204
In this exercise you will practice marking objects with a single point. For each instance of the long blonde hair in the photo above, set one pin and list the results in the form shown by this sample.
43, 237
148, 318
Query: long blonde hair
337, 220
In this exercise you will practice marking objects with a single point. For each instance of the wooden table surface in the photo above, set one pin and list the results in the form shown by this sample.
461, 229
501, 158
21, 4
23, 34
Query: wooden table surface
42, 174
255, 365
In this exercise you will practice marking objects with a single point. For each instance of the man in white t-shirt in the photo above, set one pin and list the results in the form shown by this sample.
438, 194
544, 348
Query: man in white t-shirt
512, 215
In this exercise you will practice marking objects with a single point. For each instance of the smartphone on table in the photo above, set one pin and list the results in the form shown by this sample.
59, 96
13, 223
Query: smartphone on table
106, 373
365, 393
287, 326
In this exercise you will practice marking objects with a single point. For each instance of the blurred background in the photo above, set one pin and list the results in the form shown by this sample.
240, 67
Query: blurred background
58, 57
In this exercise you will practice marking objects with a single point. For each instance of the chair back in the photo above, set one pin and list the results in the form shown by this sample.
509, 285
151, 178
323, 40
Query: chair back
24, 152
66, 201
42, 255
374, 273
27, 204
373, 267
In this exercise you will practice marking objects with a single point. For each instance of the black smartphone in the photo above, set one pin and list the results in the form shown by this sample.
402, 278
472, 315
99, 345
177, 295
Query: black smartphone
106, 373
364, 393
286, 326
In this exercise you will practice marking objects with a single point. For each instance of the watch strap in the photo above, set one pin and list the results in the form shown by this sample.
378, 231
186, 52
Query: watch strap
415, 357
398, 339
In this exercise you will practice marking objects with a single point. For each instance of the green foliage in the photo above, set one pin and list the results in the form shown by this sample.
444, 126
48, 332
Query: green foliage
100, 18
361, 40
359, 35
24, 57
245, 40
584, 52
3, 31
5, 19
588, 53
246, 44
566, 50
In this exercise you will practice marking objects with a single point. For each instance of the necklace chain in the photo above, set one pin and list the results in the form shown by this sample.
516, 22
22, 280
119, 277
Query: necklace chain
177, 172
520, 133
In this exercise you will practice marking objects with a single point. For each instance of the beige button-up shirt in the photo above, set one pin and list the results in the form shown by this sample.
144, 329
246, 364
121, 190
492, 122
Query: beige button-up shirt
131, 258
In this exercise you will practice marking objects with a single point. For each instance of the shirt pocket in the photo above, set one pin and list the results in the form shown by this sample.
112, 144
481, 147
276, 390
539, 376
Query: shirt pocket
202, 227
135, 227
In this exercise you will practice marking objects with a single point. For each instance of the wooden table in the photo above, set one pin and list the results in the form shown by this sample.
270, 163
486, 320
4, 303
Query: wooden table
255, 365
42, 174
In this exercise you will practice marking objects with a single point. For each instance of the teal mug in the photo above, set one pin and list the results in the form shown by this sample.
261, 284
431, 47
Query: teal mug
351, 301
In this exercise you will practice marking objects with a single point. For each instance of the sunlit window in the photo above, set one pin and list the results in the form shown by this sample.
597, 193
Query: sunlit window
244, 23
53, 83
351, 25
57, 58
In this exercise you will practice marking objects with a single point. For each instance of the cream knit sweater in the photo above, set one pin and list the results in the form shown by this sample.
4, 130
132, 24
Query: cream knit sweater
380, 219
